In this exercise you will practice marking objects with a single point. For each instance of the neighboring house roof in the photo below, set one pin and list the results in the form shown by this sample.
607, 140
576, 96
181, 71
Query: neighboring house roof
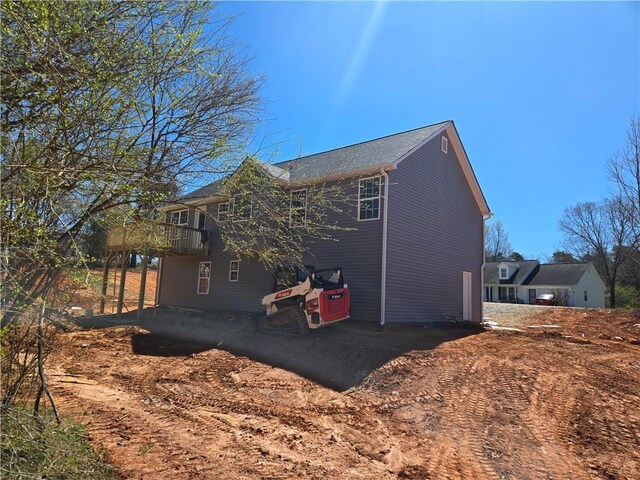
558, 274
531, 272
523, 269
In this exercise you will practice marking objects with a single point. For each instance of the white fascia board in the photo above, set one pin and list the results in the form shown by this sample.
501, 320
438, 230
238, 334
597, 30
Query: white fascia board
461, 155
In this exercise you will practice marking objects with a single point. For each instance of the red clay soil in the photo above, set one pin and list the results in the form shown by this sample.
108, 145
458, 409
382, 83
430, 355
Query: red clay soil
411, 403
88, 296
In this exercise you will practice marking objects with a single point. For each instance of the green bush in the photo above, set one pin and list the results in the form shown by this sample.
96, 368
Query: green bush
33, 450
627, 296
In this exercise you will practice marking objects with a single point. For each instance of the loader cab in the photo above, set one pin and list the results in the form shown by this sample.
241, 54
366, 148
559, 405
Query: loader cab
287, 277
328, 278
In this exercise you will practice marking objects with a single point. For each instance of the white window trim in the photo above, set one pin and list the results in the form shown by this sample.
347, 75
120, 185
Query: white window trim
236, 220
228, 212
291, 206
208, 278
178, 212
379, 197
444, 144
236, 270
196, 219
506, 273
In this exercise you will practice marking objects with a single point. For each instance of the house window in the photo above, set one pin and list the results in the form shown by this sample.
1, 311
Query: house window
444, 144
369, 199
298, 208
586, 296
503, 273
204, 274
223, 211
234, 270
180, 217
507, 294
241, 207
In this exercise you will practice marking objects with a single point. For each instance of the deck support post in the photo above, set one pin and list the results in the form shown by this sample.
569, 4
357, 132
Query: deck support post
143, 283
123, 276
105, 281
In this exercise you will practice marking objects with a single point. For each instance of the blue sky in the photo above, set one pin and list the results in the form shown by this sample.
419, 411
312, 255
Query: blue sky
542, 94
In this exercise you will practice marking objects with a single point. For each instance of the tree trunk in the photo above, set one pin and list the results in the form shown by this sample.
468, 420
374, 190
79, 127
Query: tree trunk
612, 294
44, 387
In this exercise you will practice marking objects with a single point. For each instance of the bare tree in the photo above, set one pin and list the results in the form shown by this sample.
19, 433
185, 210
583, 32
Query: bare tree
602, 232
496, 242
624, 170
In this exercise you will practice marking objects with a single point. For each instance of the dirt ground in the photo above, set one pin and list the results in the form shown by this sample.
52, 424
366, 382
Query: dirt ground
87, 294
207, 397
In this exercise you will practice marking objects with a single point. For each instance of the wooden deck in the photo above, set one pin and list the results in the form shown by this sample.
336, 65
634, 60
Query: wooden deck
158, 239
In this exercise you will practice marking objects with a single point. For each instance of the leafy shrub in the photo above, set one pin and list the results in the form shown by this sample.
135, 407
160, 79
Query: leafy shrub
34, 450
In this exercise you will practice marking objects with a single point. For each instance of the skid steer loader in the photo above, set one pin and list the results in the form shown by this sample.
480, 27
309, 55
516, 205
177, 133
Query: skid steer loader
304, 300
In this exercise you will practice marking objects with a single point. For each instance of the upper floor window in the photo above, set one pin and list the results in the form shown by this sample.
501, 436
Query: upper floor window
369, 199
241, 207
503, 273
181, 217
444, 144
298, 208
234, 270
223, 211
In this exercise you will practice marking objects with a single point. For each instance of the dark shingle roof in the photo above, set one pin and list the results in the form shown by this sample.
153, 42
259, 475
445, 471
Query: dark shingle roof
553, 274
523, 270
369, 154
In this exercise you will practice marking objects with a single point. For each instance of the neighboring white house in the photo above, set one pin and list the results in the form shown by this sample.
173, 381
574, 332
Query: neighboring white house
522, 282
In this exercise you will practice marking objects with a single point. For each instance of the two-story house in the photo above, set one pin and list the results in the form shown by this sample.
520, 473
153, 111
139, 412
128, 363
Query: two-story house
412, 247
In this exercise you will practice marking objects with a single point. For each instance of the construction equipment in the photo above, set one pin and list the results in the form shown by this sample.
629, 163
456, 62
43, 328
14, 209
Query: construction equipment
307, 301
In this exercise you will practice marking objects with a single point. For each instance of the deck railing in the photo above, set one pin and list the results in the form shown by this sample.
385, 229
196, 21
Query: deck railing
161, 239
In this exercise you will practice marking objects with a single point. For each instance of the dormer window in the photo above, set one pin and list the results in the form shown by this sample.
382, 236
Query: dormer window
503, 273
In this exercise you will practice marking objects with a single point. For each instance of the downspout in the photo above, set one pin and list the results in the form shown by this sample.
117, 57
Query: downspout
383, 283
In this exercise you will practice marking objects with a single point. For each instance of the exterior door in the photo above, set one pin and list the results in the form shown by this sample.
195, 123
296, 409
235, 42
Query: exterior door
466, 296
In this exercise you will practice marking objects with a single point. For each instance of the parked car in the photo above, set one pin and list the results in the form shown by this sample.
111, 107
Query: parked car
545, 299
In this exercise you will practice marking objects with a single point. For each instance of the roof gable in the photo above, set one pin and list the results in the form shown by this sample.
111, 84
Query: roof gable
523, 271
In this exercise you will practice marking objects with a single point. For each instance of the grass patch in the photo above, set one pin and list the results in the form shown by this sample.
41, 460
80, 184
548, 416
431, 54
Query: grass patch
54, 452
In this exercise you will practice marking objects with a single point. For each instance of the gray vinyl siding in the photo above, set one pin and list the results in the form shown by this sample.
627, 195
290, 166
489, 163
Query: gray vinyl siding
179, 281
435, 232
357, 247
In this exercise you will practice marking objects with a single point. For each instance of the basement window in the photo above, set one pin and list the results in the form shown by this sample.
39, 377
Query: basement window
223, 211
444, 144
369, 199
298, 208
234, 270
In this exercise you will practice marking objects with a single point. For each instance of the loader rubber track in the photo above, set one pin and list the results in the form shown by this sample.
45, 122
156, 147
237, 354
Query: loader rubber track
288, 321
